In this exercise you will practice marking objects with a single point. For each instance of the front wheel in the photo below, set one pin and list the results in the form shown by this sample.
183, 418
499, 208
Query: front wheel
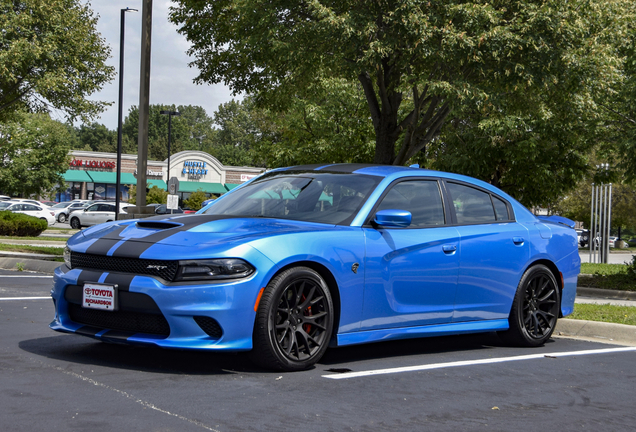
75, 223
294, 321
535, 309
61, 218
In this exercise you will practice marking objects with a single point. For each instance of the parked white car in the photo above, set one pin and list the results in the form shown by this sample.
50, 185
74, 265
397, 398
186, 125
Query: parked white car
29, 209
96, 213
63, 209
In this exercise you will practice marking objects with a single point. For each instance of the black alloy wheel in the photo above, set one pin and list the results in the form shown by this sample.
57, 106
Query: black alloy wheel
294, 321
535, 309
75, 223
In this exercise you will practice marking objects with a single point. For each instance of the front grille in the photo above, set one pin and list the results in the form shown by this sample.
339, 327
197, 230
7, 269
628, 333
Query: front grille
133, 322
209, 325
164, 269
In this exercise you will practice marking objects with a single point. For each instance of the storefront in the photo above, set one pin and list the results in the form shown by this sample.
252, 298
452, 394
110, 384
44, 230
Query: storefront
92, 175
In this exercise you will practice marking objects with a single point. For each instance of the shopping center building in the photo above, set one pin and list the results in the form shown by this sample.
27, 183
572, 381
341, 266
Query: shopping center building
92, 175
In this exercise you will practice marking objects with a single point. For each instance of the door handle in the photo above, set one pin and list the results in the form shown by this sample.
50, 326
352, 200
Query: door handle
449, 249
518, 240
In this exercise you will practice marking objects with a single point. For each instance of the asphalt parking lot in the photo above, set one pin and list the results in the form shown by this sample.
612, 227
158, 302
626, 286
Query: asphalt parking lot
53, 381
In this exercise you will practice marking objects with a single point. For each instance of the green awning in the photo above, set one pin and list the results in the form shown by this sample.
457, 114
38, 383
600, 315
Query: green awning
214, 188
231, 186
76, 176
127, 178
159, 183
102, 177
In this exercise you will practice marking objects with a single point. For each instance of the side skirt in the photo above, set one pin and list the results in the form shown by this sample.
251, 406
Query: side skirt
422, 331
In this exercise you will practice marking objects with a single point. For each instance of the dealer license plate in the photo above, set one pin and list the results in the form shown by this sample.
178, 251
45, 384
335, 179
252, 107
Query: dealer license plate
99, 296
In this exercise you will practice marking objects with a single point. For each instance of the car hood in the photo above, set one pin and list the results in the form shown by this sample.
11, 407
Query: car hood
189, 231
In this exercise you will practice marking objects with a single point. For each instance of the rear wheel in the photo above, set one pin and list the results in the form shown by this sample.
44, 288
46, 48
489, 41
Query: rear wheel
294, 321
75, 223
535, 308
61, 218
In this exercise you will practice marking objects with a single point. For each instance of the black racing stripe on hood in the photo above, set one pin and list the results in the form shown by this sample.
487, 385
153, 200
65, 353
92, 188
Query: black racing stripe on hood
121, 280
133, 248
102, 245
89, 276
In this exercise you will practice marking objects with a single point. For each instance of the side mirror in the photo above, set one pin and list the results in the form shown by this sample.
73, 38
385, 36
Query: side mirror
393, 218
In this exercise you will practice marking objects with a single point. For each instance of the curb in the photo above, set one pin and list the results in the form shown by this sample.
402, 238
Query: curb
619, 334
605, 294
27, 255
34, 265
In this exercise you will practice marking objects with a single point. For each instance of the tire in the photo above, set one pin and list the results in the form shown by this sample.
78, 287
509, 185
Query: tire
294, 321
61, 218
535, 309
75, 223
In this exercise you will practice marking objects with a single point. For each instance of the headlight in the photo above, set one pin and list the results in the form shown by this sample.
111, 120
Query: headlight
213, 269
67, 257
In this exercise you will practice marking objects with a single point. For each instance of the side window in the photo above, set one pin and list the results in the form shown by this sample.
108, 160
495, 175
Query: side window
93, 208
29, 207
420, 197
501, 209
471, 205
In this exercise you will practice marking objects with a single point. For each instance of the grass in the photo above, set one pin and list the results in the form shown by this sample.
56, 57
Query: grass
607, 276
58, 239
605, 313
48, 250
603, 269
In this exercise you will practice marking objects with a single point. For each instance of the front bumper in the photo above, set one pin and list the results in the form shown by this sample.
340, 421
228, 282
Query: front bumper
186, 313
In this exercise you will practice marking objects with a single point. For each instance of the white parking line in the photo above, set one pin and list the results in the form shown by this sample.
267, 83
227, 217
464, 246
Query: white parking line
24, 298
25, 276
474, 362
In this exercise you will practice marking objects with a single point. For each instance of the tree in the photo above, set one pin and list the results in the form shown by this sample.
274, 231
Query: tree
96, 137
233, 141
190, 131
418, 63
194, 201
34, 152
51, 55
577, 205
155, 195
329, 125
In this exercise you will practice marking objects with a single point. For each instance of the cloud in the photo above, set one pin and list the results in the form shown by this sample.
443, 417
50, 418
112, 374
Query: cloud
171, 79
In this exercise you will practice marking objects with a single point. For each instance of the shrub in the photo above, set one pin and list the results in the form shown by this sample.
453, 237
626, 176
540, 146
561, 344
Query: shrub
18, 224
631, 268
195, 200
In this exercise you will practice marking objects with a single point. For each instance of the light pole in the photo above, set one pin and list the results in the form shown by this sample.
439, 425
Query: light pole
121, 99
169, 114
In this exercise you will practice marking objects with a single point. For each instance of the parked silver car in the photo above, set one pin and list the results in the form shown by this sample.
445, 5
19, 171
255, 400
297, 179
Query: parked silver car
95, 213
63, 209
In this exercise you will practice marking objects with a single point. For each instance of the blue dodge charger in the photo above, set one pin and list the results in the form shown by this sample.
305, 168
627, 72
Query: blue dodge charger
306, 257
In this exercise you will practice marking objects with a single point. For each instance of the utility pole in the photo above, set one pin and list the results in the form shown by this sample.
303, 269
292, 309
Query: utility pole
144, 102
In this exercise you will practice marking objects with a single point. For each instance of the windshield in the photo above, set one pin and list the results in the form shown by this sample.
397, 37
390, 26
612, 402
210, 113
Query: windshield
305, 196
62, 205
4, 205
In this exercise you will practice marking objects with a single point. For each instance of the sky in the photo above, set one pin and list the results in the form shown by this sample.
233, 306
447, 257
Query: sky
171, 79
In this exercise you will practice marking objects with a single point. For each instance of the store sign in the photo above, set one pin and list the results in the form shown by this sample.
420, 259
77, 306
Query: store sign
152, 173
246, 177
194, 169
92, 163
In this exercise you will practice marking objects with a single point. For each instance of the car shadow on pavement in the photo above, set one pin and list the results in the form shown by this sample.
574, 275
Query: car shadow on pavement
80, 350
413, 347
